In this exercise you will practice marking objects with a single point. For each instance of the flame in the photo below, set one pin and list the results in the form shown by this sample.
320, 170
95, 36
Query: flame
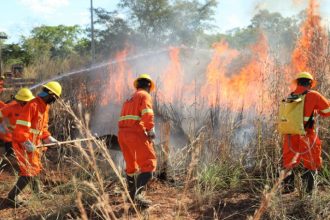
119, 79
232, 79
172, 78
235, 89
249, 82
216, 72
310, 46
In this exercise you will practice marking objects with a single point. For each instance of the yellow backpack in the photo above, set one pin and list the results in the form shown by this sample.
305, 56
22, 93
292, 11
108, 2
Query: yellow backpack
291, 115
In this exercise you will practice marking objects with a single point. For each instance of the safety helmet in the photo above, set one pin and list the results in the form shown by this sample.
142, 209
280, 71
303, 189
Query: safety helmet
147, 77
24, 94
54, 87
306, 75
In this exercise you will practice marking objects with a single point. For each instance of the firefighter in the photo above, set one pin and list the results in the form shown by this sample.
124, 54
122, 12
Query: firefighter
305, 149
136, 135
9, 115
32, 128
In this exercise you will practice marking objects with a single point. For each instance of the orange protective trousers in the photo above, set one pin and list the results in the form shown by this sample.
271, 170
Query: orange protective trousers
138, 151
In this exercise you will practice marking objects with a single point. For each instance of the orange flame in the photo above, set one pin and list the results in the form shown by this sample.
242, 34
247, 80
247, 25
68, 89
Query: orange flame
120, 78
216, 72
172, 78
310, 46
229, 89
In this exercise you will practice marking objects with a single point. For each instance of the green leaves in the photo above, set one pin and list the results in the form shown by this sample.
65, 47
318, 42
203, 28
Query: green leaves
52, 41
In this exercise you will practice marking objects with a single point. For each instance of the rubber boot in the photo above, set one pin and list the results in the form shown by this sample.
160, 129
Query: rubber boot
35, 185
9, 148
308, 180
141, 183
12, 198
288, 183
131, 186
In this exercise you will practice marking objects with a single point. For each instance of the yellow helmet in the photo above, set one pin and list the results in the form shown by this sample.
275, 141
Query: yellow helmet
54, 87
145, 76
24, 94
306, 75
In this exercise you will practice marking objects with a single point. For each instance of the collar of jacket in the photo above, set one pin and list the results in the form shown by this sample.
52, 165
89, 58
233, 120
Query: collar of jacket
42, 104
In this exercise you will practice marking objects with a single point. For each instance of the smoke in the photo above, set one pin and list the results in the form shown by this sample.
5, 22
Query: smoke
223, 89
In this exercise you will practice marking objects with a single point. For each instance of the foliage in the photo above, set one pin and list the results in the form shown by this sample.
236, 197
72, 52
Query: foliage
279, 30
165, 22
13, 53
220, 175
111, 32
51, 41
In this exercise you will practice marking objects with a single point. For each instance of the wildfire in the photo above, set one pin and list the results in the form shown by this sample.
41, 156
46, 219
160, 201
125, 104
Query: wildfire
172, 78
310, 47
232, 79
216, 79
120, 80
232, 89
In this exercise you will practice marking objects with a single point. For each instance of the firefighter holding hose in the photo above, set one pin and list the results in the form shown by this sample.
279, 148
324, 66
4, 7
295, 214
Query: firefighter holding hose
136, 135
30, 130
302, 145
9, 115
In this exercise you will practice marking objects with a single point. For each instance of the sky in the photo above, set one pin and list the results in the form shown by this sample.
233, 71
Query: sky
18, 17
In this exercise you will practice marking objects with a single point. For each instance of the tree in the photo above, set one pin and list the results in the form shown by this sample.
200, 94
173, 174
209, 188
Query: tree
164, 22
190, 20
111, 31
52, 41
281, 33
151, 18
14, 53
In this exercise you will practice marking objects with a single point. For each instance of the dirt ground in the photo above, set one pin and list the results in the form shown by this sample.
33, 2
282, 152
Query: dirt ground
170, 202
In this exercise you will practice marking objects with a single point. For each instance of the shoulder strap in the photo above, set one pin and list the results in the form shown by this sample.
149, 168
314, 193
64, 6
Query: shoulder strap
310, 122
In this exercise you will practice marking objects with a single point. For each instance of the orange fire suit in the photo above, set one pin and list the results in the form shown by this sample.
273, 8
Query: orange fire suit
10, 113
2, 104
2, 136
136, 119
306, 149
5, 136
32, 124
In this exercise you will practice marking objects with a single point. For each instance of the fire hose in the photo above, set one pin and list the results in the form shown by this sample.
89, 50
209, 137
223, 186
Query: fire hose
65, 142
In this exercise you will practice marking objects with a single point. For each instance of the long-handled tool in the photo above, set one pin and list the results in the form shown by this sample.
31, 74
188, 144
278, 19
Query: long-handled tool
66, 142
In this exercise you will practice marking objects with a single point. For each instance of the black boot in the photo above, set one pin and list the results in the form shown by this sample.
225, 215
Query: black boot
308, 180
131, 186
12, 198
9, 148
288, 183
141, 183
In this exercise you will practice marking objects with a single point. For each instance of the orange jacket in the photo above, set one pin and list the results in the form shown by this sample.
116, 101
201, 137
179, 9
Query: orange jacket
2, 104
137, 112
32, 123
314, 103
10, 112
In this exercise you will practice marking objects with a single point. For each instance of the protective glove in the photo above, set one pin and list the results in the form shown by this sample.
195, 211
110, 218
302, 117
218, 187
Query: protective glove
29, 146
51, 140
151, 134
